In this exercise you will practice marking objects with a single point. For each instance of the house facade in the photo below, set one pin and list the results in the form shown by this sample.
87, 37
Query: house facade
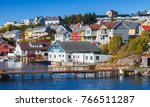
28, 33
15, 34
63, 33
5, 48
77, 52
26, 48
40, 31
52, 21
27, 21
109, 29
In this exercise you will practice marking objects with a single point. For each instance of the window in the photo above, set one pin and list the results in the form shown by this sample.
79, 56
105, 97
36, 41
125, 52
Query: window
91, 57
86, 57
54, 56
88, 31
50, 56
69, 56
59, 55
97, 58
56, 46
62, 55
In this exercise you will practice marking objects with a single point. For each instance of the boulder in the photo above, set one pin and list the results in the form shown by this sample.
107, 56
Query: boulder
133, 60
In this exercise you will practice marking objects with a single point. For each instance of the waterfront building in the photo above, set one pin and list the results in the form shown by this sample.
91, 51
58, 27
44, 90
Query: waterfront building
14, 34
5, 48
146, 60
75, 52
26, 48
63, 33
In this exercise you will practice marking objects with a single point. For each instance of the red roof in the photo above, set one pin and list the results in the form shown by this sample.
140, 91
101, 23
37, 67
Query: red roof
146, 55
147, 28
110, 24
5, 47
95, 26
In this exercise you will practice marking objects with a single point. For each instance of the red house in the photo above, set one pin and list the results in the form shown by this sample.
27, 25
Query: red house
76, 32
5, 48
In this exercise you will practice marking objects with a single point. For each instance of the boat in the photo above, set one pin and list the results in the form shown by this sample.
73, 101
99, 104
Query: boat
2, 60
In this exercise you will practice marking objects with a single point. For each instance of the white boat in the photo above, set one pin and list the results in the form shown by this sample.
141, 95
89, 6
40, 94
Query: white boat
2, 60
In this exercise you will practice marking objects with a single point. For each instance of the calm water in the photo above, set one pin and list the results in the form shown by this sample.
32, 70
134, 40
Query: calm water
117, 83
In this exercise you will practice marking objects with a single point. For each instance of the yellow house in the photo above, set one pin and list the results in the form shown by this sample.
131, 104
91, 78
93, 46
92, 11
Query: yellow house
82, 35
28, 33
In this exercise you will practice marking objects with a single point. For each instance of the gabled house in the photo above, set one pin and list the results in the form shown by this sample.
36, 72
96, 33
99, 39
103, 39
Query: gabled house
39, 20
63, 33
90, 33
133, 28
77, 33
15, 34
26, 48
144, 28
109, 29
27, 21
5, 48
52, 21
75, 52
28, 33
40, 31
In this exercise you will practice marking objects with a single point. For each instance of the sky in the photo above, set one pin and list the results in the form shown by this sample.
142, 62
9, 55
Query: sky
15, 10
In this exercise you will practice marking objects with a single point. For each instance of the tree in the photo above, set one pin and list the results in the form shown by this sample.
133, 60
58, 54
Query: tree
115, 44
104, 48
51, 34
9, 27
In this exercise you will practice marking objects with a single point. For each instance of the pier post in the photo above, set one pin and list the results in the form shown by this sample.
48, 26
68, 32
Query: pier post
23, 76
13, 76
51, 76
42, 77
32, 75
121, 72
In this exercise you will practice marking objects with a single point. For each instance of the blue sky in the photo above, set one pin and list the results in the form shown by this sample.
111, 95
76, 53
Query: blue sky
15, 10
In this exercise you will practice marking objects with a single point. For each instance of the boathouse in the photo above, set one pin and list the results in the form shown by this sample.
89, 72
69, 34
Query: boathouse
75, 52
37, 48
146, 60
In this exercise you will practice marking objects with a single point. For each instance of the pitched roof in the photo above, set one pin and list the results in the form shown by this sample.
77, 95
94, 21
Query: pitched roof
95, 26
147, 28
79, 47
52, 18
110, 24
132, 25
27, 46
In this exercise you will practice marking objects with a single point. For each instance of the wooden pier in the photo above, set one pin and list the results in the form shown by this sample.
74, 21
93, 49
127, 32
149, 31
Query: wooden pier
84, 72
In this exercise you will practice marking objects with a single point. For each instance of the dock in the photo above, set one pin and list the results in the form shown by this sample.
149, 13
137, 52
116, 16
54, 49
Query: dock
79, 71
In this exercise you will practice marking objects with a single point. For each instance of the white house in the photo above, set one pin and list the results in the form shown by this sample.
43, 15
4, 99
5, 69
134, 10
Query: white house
40, 31
52, 21
63, 33
27, 21
109, 29
15, 34
10, 23
26, 48
90, 33
77, 52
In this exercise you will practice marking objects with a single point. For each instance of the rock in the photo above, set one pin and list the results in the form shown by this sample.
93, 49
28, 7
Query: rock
133, 60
